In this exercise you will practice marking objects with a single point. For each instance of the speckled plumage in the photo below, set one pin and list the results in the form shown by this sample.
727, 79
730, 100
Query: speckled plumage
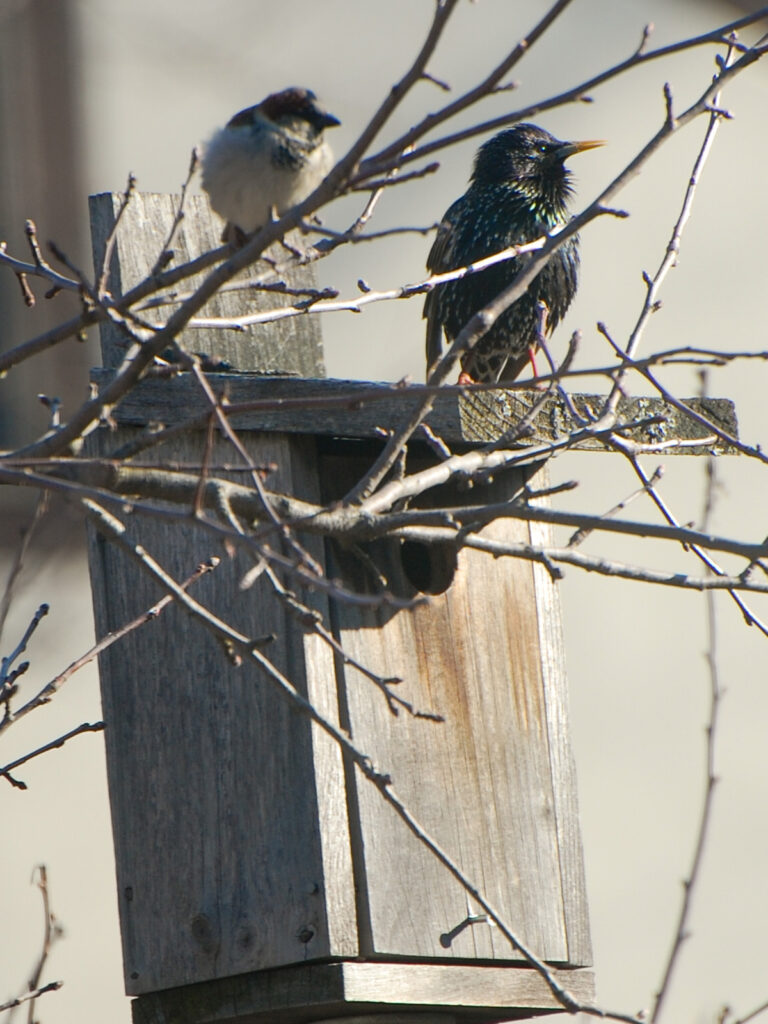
518, 192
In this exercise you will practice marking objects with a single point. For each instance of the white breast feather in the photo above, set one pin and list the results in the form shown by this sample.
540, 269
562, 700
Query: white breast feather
244, 184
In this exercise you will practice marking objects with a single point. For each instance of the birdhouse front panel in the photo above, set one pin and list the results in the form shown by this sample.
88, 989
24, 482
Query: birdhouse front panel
484, 782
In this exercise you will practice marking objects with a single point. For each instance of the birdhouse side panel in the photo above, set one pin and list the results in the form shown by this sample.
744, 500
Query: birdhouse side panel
215, 781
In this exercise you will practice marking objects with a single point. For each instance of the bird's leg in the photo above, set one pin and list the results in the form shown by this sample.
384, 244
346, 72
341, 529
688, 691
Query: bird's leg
532, 357
464, 378
542, 315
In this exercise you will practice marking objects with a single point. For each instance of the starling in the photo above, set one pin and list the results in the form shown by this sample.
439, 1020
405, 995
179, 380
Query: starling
518, 192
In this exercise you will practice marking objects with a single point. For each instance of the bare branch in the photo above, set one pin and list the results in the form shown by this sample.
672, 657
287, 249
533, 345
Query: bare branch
165, 253
5, 770
109, 247
673, 246
753, 1014
17, 566
398, 153
716, 694
52, 986
47, 693
7, 677
52, 932
484, 319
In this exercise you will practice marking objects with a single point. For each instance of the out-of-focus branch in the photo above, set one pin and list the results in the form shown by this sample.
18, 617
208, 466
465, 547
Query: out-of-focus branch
49, 691
716, 694
8, 674
52, 931
17, 565
11, 1004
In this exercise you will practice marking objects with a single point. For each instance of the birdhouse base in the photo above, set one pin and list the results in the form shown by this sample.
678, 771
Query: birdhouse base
312, 993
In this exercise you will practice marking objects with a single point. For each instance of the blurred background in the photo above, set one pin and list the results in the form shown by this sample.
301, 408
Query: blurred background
91, 90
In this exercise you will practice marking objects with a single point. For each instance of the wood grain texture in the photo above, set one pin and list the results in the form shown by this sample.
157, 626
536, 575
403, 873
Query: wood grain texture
226, 805
289, 346
313, 992
564, 787
481, 782
243, 841
343, 408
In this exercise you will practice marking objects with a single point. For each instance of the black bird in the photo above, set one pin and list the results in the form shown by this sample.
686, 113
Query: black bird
519, 191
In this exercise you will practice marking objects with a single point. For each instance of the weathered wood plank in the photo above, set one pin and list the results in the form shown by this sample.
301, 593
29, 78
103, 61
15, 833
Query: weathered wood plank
358, 409
291, 346
564, 787
229, 810
310, 992
482, 781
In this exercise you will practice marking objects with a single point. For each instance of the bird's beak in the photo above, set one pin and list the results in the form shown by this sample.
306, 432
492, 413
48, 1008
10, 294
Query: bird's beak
329, 121
569, 148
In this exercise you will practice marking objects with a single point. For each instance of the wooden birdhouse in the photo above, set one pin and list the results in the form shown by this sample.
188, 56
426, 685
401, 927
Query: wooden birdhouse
260, 875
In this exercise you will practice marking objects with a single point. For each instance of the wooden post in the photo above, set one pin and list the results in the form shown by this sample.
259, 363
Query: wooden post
260, 878
291, 347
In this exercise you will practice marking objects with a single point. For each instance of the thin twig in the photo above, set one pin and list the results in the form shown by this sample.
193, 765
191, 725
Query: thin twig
47, 693
6, 770
17, 566
111, 241
654, 284
7, 675
583, 532
358, 303
753, 1014
312, 621
716, 694
567, 556
52, 931
11, 1004
403, 150
165, 252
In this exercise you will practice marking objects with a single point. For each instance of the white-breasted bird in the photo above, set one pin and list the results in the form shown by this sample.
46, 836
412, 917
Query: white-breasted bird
266, 159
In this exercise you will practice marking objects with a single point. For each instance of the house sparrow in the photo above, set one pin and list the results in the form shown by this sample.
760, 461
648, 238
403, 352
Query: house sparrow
518, 192
267, 158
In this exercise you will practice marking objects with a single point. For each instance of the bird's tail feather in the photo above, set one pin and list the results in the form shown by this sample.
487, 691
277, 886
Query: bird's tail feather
434, 342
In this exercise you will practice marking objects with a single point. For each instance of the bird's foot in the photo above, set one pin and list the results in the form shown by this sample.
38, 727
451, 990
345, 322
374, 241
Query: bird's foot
464, 378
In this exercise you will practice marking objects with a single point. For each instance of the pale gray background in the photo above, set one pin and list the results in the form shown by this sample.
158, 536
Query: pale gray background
157, 77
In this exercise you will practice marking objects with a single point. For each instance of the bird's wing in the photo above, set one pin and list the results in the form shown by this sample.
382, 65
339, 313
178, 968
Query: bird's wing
438, 261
